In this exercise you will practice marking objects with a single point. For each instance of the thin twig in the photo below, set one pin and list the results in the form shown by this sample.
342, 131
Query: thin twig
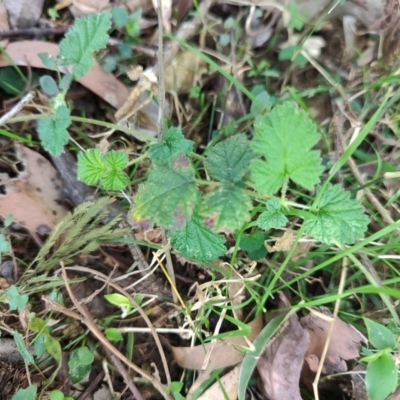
88, 320
104, 278
160, 127
33, 32
18, 107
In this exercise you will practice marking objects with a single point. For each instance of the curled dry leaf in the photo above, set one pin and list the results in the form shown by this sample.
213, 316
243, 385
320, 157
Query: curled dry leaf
34, 197
105, 85
344, 344
280, 365
282, 244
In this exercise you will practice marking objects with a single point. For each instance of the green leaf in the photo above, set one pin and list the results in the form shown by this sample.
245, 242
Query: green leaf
173, 143
168, 196
253, 245
66, 81
273, 217
53, 132
114, 335
56, 395
28, 358
381, 377
16, 301
91, 166
4, 244
133, 24
229, 160
87, 35
48, 61
116, 159
114, 180
80, 363
196, 241
49, 85
338, 218
379, 336
53, 347
284, 137
120, 16
39, 346
118, 300
228, 207
26, 394
8, 220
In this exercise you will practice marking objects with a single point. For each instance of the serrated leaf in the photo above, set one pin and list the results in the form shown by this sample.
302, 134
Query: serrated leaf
227, 206
173, 143
229, 160
196, 241
53, 132
338, 218
28, 358
168, 196
116, 159
91, 166
379, 336
16, 300
285, 137
87, 35
273, 217
114, 180
48, 85
381, 377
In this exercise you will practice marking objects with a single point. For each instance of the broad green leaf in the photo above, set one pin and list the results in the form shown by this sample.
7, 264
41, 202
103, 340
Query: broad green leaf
16, 301
381, 377
114, 180
227, 207
66, 81
229, 160
253, 244
196, 241
250, 360
173, 142
273, 217
53, 132
48, 85
118, 299
338, 218
120, 16
168, 196
39, 346
284, 137
80, 363
28, 358
26, 394
91, 166
87, 35
57, 395
379, 336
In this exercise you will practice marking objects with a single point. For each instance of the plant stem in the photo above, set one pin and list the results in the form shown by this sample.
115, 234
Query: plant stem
137, 159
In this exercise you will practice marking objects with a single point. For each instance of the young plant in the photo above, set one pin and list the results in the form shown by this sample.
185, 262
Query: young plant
382, 376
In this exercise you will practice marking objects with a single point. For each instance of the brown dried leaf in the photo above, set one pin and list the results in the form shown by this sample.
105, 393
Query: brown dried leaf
344, 344
280, 364
4, 25
282, 244
34, 198
183, 71
24, 13
105, 85
80, 8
